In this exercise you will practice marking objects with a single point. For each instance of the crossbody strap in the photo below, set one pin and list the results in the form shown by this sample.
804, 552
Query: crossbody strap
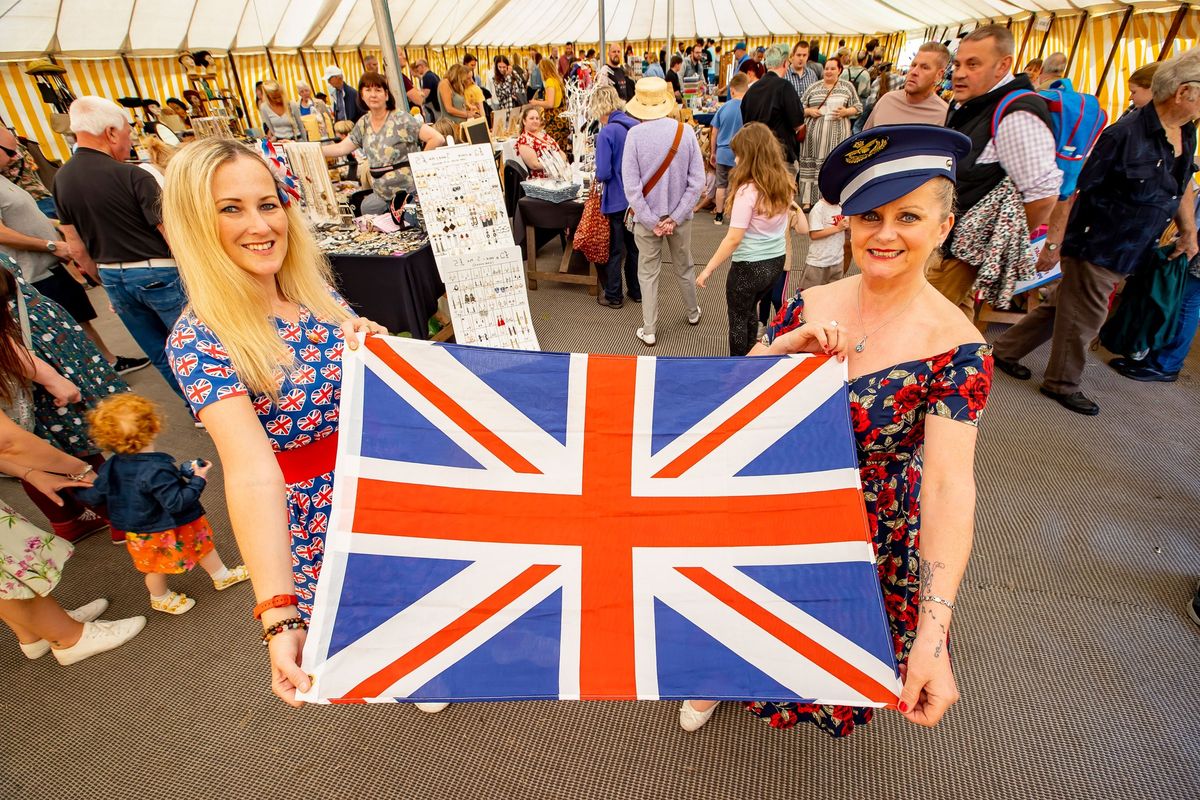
650, 184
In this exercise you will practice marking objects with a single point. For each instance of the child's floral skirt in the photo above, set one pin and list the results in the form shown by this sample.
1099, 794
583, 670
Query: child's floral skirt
172, 551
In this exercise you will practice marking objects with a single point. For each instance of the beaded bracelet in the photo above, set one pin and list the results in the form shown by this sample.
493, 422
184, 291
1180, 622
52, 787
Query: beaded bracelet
933, 598
293, 624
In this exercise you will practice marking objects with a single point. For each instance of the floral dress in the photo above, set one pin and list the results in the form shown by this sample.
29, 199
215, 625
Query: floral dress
31, 560
390, 146
888, 410
307, 412
539, 145
59, 341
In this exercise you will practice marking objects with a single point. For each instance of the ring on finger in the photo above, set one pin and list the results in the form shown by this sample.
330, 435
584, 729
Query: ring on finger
833, 323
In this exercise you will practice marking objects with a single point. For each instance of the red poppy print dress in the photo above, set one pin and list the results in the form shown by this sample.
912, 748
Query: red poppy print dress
307, 412
888, 410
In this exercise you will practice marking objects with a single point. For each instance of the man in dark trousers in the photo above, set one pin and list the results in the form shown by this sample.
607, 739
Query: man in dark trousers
111, 215
1023, 148
1138, 176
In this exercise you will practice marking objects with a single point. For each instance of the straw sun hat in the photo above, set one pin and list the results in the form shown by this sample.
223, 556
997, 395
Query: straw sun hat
653, 99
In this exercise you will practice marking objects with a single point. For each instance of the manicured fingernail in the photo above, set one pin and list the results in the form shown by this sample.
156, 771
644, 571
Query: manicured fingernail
903, 707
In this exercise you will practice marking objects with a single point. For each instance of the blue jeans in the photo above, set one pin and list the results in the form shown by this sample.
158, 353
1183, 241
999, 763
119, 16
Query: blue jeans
1170, 357
47, 207
148, 301
622, 254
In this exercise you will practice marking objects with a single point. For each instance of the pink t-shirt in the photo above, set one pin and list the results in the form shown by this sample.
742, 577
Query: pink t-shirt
764, 235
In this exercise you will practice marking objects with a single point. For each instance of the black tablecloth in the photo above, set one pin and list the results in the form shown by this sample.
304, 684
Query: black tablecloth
544, 215
398, 292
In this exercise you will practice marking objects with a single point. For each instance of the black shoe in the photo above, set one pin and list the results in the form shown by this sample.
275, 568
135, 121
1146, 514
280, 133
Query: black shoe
1076, 401
637, 299
1194, 606
604, 301
1014, 368
124, 366
1148, 374
1121, 363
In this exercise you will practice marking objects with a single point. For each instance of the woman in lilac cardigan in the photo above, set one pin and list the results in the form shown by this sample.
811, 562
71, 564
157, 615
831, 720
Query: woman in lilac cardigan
608, 107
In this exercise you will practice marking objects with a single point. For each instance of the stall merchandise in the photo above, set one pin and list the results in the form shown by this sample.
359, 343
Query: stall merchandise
351, 242
461, 199
319, 198
487, 298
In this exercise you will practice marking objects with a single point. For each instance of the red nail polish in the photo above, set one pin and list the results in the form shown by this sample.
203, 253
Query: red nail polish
903, 707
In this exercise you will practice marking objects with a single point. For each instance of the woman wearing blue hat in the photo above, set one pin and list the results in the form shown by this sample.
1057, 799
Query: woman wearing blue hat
919, 371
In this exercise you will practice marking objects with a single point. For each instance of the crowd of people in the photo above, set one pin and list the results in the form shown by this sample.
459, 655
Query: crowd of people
217, 276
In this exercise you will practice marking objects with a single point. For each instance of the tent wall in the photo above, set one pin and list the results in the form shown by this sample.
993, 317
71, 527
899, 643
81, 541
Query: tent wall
162, 77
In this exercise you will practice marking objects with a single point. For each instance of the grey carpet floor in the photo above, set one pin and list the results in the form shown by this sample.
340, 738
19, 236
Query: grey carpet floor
1077, 664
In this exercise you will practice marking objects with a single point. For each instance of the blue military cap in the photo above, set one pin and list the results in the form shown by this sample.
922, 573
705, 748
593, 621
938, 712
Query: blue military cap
877, 166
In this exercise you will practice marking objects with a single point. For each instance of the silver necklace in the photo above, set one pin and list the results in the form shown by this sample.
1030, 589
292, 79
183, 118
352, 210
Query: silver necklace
862, 343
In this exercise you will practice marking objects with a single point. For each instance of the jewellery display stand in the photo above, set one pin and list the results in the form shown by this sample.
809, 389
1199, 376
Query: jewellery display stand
472, 243
211, 128
316, 189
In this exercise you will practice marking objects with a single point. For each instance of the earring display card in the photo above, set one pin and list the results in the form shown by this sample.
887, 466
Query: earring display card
461, 200
488, 302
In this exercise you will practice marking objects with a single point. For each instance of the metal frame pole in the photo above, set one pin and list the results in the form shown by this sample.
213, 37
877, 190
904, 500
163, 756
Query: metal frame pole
387, 43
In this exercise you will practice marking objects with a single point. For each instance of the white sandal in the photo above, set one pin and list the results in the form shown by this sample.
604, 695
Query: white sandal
173, 603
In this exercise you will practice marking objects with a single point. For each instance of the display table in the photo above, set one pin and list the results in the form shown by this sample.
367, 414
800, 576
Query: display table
399, 292
535, 215
704, 118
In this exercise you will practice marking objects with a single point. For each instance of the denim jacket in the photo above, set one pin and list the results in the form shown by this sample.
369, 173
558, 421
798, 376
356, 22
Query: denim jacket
145, 493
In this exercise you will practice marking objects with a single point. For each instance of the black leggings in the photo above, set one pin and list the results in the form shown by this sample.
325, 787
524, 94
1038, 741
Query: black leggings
748, 282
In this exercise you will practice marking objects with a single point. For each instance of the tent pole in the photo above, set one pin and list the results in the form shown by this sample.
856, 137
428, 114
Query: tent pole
387, 42
307, 74
1046, 35
1024, 40
129, 69
333, 53
237, 81
670, 29
1113, 52
601, 52
1075, 44
271, 64
1173, 32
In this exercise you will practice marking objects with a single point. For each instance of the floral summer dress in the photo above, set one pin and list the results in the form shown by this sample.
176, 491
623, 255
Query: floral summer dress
31, 560
58, 340
888, 410
307, 412
539, 146
399, 136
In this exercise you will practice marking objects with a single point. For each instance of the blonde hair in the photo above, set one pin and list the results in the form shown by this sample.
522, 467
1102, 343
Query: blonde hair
272, 89
606, 101
221, 294
760, 162
160, 151
459, 77
447, 128
125, 423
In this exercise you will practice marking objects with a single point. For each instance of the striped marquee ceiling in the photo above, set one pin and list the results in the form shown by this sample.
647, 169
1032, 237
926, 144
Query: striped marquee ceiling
29, 28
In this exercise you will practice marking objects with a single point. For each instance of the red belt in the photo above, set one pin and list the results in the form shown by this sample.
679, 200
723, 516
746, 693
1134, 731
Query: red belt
310, 461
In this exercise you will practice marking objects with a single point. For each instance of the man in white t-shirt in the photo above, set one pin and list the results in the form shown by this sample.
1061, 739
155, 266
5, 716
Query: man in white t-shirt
919, 102
827, 229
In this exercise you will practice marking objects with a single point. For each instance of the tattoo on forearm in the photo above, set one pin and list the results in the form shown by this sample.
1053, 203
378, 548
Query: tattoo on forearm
928, 568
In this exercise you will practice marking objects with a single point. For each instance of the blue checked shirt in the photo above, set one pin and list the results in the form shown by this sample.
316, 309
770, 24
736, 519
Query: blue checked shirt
800, 80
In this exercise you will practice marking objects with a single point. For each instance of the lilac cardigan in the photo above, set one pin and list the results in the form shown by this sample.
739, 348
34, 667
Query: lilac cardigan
676, 193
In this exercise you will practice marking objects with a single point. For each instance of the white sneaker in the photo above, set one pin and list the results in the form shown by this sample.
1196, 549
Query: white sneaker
85, 613
647, 338
692, 720
100, 636
431, 708
694, 320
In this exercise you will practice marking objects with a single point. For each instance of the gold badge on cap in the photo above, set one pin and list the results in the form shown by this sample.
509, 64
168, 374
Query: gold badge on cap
866, 149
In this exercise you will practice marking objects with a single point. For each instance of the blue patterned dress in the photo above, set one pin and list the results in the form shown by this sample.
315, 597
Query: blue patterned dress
307, 412
888, 410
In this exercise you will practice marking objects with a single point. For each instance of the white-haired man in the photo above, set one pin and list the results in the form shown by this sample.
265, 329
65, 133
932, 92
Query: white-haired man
1053, 68
112, 221
1135, 180
772, 101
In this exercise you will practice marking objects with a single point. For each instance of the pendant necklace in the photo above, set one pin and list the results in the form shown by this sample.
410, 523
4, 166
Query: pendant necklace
862, 343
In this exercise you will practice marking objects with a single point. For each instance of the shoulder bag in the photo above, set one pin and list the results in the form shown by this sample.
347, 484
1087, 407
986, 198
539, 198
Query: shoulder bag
803, 132
649, 185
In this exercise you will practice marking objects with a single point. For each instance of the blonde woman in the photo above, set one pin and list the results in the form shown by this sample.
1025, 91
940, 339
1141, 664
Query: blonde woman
258, 351
452, 95
281, 120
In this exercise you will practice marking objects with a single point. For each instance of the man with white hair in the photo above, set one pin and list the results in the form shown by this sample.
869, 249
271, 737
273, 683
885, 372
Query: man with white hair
1053, 68
1138, 176
111, 216
343, 99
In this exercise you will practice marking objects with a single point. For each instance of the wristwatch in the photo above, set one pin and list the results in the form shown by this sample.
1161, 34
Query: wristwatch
1051, 246
51, 246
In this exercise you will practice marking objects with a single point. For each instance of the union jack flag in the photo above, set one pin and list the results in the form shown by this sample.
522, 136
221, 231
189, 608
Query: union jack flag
514, 525
198, 391
182, 337
185, 363
293, 400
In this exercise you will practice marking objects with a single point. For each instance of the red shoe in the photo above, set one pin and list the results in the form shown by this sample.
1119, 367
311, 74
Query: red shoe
81, 527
